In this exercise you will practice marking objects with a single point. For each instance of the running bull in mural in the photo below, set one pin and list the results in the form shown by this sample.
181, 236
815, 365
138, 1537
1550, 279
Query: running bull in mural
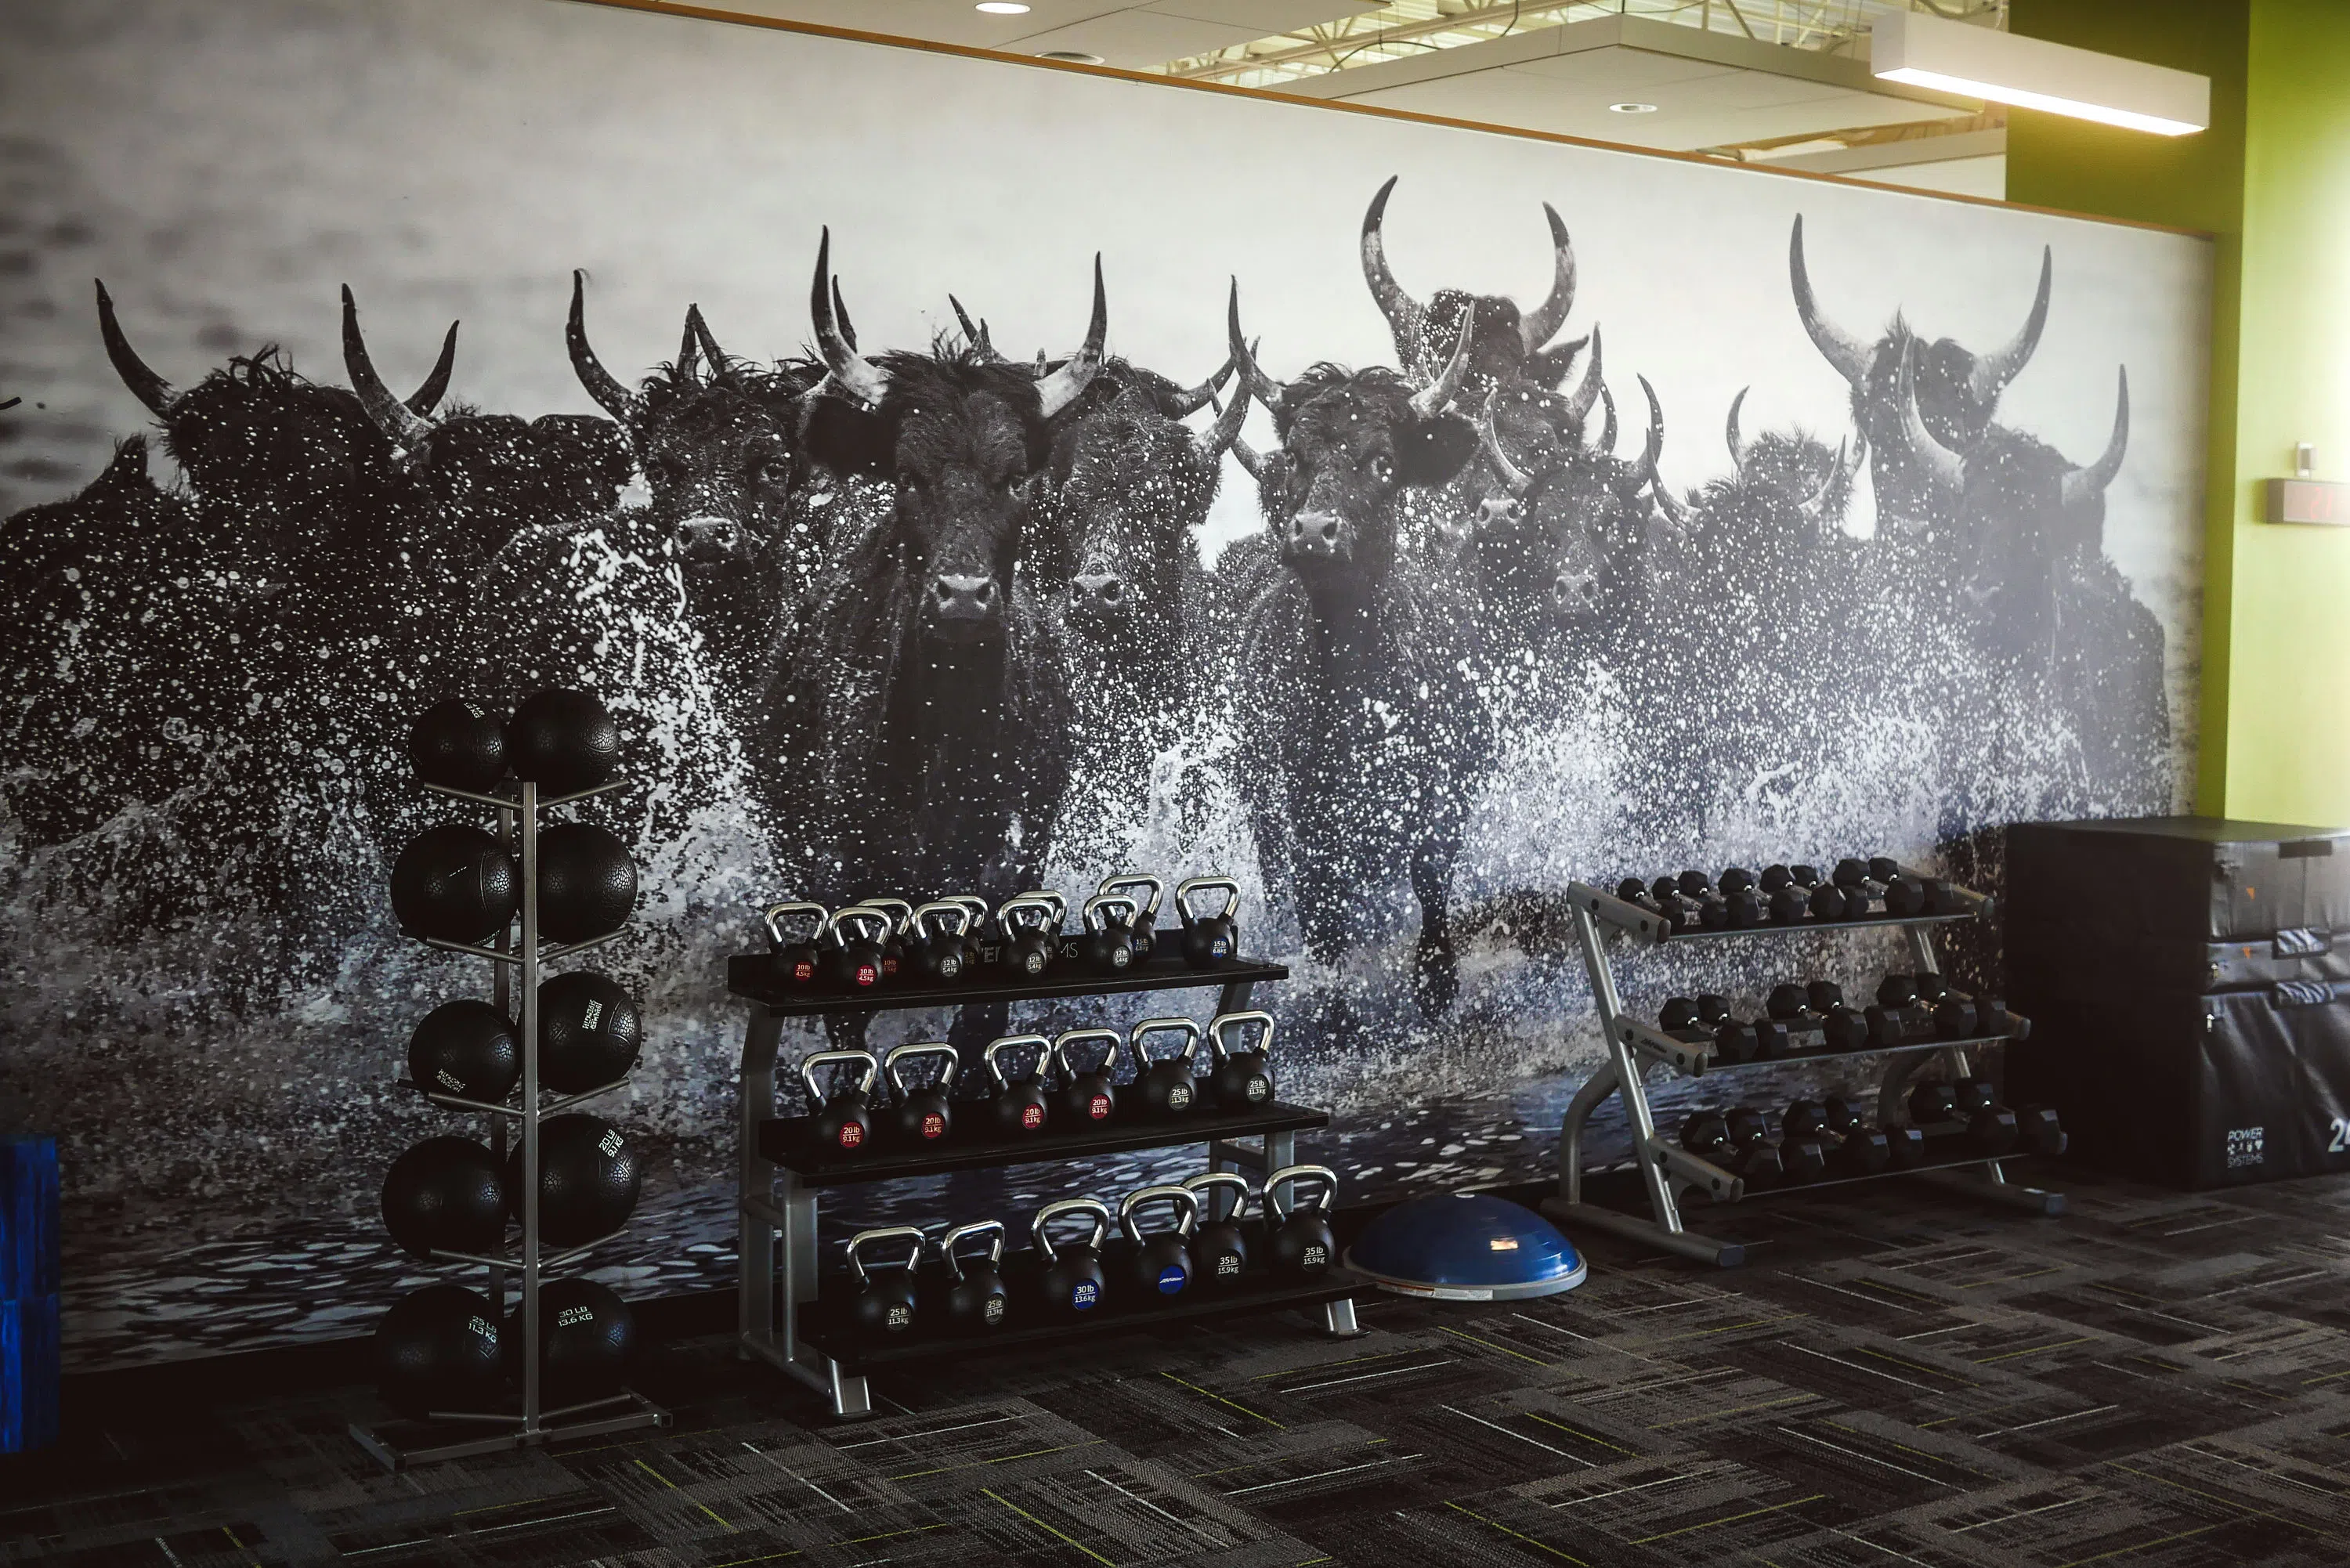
927, 583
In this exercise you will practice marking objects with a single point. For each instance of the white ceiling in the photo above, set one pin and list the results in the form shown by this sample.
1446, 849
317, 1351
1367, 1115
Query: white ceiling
1134, 34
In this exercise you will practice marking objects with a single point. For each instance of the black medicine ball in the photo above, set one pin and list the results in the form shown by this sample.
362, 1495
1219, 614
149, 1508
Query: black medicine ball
455, 883
586, 1337
587, 883
588, 1032
588, 1180
467, 1049
437, 1349
446, 1195
564, 742
458, 745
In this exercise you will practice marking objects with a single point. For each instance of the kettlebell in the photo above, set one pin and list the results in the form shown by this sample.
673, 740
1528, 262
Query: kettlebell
1020, 1109
1166, 1087
1210, 941
1298, 1240
936, 952
1029, 932
1220, 1247
884, 1305
1161, 1262
842, 1122
853, 962
973, 1299
797, 957
1089, 1098
978, 947
1072, 1280
920, 1117
1240, 1080
1108, 946
1142, 923
893, 944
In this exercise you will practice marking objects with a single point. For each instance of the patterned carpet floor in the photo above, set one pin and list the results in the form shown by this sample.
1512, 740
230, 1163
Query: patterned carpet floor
2158, 1380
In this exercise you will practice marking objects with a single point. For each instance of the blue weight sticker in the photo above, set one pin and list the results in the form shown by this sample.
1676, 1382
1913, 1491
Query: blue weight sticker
1172, 1279
1085, 1296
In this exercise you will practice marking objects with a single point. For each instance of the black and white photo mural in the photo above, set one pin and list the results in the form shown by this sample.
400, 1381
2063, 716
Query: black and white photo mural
965, 476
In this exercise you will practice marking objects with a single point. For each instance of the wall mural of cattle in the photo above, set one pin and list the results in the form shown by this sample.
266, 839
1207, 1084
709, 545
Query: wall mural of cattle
1478, 514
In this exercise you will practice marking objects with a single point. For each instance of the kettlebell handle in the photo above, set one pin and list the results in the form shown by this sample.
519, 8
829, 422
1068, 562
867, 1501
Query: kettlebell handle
1187, 887
1096, 920
938, 1048
1209, 1181
1223, 1021
973, 904
1280, 1179
1150, 1026
777, 913
900, 911
810, 1063
960, 911
1002, 1043
992, 1229
1109, 1061
1007, 915
875, 922
1092, 1209
1187, 1210
1125, 880
864, 1239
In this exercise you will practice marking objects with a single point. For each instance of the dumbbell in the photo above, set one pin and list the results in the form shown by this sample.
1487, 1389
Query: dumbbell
1861, 1149
1694, 891
1815, 1016
1896, 1018
1682, 1012
1884, 884
1753, 1137
1676, 912
1991, 1126
1741, 901
1957, 1015
1804, 1143
1789, 890
2039, 1130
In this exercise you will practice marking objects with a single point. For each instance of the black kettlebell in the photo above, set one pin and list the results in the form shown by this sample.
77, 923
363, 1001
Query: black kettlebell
841, 1122
885, 1304
853, 962
1142, 924
936, 952
979, 945
1298, 1240
798, 957
973, 1298
1160, 1263
893, 945
1027, 929
1019, 1108
1240, 1080
1210, 941
1220, 1247
1166, 1087
920, 1117
1089, 1098
1072, 1280
1108, 946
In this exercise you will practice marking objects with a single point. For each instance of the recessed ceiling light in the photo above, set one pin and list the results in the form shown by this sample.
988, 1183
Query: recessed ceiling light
1074, 57
1003, 8
1631, 108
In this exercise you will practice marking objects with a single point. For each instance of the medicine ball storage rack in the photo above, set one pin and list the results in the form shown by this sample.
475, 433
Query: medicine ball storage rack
783, 1321
516, 956
1668, 1170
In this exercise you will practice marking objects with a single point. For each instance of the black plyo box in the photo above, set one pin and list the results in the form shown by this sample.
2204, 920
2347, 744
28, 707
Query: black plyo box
2193, 879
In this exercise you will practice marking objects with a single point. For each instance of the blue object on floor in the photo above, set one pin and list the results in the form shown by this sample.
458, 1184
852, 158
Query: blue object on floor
1466, 1247
29, 1362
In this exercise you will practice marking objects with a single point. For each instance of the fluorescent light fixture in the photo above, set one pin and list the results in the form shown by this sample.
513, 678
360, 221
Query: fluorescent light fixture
1982, 62
1631, 108
1003, 8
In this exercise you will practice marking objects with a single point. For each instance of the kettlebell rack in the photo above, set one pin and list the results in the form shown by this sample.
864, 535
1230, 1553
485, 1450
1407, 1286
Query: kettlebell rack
516, 956
1668, 1170
781, 1320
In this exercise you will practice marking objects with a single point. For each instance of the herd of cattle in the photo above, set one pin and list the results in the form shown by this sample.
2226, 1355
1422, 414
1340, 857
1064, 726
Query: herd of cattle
949, 606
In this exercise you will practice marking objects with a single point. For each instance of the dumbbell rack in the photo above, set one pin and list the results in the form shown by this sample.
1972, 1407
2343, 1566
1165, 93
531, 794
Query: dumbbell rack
1668, 1170
515, 957
779, 1178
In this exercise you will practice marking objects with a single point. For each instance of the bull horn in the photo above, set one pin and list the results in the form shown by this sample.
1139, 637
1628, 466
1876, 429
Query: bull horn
1254, 381
435, 385
1838, 475
1993, 371
689, 348
2083, 485
1211, 443
1730, 432
1407, 317
1643, 473
1542, 325
840, 315
1251, 459
1059, 390
1430, 401
148, 387
1944, 468
1849, 356
1580, 402
395, 418
1191, 400
710, 349
1517, 479
1607, 428
610, 395
974, 332
850, 371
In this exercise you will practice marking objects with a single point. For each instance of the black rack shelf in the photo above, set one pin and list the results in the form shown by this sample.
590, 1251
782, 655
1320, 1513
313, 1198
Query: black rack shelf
829, 1333
755, 977
782, 1139
1807, 1058
1815, 928
1794, 1188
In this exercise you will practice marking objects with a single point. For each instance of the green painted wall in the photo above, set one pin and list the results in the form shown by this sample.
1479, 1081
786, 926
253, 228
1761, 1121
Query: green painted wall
2271, 180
